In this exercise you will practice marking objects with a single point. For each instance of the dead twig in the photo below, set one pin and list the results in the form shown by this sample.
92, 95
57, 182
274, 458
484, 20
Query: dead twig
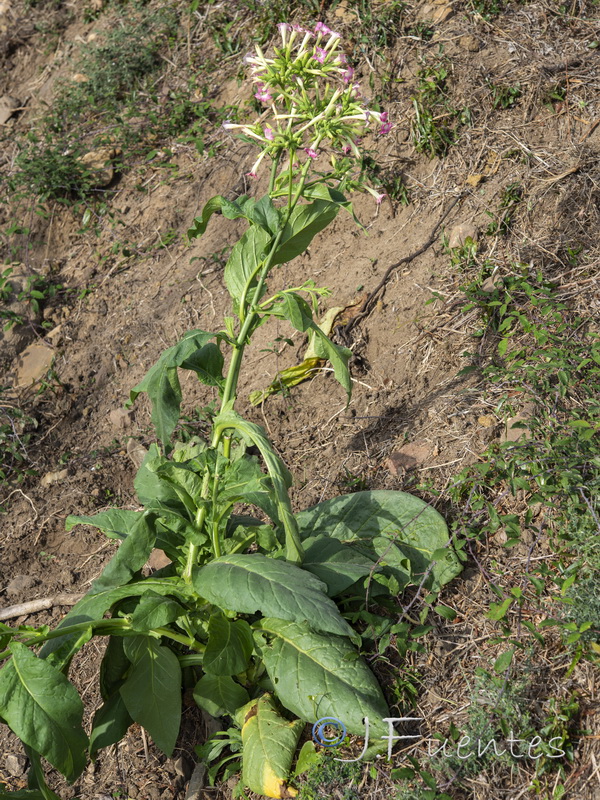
33, 606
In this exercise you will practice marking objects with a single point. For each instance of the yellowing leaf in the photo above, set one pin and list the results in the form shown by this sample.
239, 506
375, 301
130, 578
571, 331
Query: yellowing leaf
269, 744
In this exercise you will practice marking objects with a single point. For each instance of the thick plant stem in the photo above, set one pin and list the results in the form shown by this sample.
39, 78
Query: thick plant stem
247, 317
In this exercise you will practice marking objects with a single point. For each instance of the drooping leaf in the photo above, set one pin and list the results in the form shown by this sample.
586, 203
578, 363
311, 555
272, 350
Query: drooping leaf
409, 523
115, 523
44, 710
229, 208
110, 724
113, 667
250, 583
219, 695
269, 744
295, 309
229, 647
207, 363
306, 221
96, 603
321, 191
161, 382
336, 564
152, 690
131, 556
278, 473
319, 676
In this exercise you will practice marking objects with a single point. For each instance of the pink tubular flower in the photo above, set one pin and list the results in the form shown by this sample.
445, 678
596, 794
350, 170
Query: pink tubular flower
263, 93
385, 128
310, 152
321, 28
320, 55
348, 74
269, 133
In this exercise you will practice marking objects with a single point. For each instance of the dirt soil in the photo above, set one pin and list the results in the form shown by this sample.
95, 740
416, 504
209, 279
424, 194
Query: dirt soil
412, 418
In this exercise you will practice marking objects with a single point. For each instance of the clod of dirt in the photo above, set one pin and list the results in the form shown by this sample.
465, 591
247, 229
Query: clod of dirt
460, 233
20, 585
120, 418
8, 106
408, 457
469, 43
33, 363
436, 12
54, 477
15, 765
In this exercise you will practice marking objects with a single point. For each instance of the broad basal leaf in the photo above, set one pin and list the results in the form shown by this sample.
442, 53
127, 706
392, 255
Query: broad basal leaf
44, 710
152, 690
219, 695
410, 524
317, 676
155, 611
251, 583
269, 744
110, 725
336, 564
229, 647
232, 209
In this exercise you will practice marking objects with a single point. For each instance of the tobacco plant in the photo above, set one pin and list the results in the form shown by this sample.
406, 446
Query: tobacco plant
249, 607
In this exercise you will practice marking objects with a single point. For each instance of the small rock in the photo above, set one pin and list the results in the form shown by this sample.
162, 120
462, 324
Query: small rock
15, 765
486, 421
489, 285
120, 418
79, 77
512, 434
474, 180
55, 334
8, 106
51, 478
460, 233
136, 452
33, 364
20, 585
436, 12
99, 162
469, 43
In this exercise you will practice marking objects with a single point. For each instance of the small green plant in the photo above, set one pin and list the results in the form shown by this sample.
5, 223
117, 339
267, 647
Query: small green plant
504, 96
252, 601
433, 131
502, 222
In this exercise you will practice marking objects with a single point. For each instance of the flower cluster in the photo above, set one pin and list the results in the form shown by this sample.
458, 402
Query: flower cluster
313, 98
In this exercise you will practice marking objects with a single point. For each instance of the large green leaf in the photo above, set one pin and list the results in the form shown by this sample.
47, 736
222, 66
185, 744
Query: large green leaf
155, 611
250, 583
319, 676
152, 690
161, 382
304, 224
229, 647
269, 745
44, 710
410, 524
336, 564
219, 695
243, 264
